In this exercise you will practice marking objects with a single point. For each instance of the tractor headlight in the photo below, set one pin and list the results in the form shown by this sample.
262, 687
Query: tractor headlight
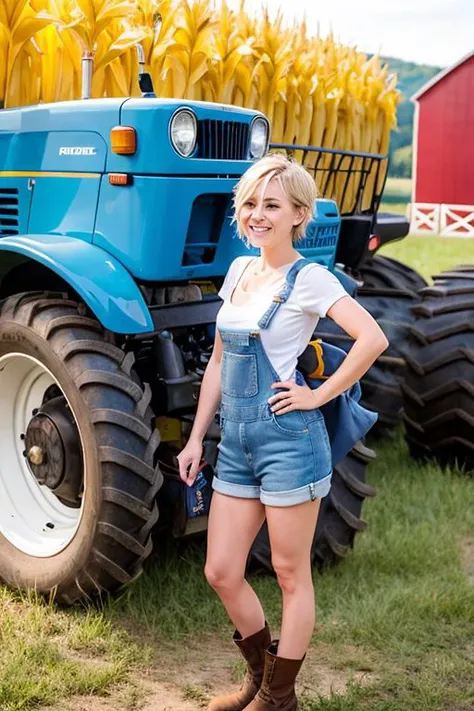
259, 135
183, 131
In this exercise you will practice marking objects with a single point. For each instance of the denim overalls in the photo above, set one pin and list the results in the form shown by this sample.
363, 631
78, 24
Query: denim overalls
282, 460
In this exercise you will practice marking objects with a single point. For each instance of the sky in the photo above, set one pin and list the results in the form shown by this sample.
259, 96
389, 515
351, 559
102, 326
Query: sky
436, 32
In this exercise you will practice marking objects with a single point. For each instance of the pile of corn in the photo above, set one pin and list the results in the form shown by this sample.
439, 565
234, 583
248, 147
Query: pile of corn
314, 90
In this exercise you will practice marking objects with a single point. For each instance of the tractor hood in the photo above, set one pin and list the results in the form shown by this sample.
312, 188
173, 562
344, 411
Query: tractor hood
74, 136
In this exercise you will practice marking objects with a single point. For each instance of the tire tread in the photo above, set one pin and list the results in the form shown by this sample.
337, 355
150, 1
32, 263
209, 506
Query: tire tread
438, 389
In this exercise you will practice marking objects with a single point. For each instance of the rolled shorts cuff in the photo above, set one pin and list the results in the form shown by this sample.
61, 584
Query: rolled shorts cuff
308, 492
241, 491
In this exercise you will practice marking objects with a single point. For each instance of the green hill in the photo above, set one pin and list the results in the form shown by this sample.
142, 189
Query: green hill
411, 77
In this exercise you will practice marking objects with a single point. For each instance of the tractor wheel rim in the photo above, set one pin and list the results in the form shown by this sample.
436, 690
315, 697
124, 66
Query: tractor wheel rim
32, 517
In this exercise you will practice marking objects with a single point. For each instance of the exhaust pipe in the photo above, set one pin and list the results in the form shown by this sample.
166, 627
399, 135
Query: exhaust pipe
145, 81
87, 66
141, 58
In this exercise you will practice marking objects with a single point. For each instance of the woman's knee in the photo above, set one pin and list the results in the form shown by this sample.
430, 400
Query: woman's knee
292, 576
222, 576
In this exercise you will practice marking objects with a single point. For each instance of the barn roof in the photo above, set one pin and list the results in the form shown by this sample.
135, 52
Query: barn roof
434, 80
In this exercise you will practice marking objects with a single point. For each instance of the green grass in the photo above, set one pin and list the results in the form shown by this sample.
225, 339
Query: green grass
430, 254
47, 654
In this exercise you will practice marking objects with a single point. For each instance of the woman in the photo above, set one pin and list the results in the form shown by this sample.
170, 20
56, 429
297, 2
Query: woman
274, 457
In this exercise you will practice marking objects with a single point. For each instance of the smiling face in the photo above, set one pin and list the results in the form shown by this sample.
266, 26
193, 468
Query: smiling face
268, 217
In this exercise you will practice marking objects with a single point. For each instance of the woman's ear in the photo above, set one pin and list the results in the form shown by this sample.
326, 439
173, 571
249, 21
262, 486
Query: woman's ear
300, 214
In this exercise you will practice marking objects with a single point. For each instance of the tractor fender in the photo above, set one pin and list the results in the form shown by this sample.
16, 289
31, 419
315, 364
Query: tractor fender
349, 284
107, 288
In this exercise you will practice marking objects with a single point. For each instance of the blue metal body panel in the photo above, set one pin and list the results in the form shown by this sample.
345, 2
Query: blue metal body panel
30, 137
64, 206
103, 283
146, 227
41, 151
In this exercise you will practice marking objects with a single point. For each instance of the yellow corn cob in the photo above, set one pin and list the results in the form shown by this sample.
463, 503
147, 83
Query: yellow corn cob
231, 49
19, 22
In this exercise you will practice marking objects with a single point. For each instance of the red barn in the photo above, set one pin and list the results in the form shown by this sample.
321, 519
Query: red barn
443, 152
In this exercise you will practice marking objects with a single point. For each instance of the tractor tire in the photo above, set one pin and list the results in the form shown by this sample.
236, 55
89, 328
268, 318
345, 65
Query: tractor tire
381, 392
78, 480
438, 388
339, 517
385, 272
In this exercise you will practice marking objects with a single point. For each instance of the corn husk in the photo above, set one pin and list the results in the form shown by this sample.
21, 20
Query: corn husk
314, 90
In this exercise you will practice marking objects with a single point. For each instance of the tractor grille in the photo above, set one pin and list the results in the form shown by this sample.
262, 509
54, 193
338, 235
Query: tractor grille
8, 211
222, 140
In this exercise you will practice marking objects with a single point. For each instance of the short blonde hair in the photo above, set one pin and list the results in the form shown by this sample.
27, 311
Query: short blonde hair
295, 181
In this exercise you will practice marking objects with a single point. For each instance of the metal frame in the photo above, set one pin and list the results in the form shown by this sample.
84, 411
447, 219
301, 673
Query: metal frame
182, 315
330, 163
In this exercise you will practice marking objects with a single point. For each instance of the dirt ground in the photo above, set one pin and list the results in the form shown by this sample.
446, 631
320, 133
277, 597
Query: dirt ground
187, 679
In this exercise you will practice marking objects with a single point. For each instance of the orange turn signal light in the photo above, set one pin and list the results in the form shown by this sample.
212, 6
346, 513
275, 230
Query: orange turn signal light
120, 179
123, 140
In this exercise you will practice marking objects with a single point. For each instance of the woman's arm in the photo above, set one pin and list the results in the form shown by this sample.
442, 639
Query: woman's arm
370, 342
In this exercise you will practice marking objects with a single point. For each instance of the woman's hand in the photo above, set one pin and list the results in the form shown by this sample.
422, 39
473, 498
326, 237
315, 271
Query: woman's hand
294, 397
189, 460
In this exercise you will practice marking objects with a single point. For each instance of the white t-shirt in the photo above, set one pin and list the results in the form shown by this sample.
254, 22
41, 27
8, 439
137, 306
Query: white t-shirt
291, 328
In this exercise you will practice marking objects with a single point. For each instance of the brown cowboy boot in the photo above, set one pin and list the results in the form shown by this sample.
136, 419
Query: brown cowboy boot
277, 692
253, 650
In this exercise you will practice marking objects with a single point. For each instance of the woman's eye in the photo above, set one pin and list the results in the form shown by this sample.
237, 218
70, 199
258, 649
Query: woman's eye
272, 205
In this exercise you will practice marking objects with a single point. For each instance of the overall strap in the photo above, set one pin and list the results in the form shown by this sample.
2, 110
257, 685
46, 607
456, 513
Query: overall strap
284, 293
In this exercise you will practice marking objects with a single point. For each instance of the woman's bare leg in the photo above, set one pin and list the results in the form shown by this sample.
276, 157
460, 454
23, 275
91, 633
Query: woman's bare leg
291, 530
233, 525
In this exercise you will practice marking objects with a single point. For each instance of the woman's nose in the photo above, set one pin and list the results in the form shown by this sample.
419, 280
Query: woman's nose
257, 213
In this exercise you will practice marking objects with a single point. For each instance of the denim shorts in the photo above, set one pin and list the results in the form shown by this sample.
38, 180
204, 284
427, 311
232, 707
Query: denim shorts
282, 460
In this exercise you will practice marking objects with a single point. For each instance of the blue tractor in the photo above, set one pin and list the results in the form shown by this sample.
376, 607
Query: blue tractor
115, 237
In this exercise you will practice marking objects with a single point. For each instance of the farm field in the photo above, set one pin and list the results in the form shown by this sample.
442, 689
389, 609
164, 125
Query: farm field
395, 621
